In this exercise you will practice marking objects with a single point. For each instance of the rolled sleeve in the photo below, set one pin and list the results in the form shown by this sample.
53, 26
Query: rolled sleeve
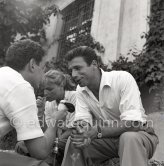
21, 110
130, 105
133, 115
82, 111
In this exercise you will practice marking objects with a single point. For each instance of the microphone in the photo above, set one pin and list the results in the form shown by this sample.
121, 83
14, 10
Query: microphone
70, 106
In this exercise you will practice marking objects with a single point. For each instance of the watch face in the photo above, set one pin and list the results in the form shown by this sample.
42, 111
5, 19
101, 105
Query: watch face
99, 135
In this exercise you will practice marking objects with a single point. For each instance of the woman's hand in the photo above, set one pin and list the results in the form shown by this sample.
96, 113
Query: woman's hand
40, 102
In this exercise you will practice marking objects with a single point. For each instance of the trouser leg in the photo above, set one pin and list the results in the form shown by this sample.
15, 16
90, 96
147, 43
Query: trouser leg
135, 148
14, 159
101, 150
98, 151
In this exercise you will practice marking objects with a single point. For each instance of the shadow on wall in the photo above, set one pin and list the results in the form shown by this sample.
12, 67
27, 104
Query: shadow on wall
154, 107
153, 101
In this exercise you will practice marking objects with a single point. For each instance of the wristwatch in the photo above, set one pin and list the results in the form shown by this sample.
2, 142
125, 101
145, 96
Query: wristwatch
99, 132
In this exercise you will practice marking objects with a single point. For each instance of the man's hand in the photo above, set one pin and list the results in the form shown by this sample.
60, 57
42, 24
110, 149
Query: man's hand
61, 113
82, 138
62, 107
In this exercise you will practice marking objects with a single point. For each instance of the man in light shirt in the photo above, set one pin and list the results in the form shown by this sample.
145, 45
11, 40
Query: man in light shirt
110, 103
22, 74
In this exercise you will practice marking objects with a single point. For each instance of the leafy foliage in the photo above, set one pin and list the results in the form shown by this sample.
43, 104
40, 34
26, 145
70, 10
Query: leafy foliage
9, 140
24, 18
57, 64
81, 40
19, 16
148, 67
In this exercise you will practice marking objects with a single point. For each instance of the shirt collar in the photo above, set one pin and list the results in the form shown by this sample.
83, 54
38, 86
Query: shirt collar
105, 81
67, 94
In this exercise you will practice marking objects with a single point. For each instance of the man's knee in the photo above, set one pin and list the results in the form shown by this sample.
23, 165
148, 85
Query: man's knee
130, 137
43, 164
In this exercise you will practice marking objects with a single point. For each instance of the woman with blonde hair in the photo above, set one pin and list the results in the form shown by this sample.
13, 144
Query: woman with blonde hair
58, 87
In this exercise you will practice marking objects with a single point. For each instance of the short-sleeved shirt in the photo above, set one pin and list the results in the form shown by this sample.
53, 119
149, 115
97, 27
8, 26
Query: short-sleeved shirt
17, 106
51, 108
119, 99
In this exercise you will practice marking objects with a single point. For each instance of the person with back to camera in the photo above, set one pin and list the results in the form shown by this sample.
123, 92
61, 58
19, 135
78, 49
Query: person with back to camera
110, 103
25, 60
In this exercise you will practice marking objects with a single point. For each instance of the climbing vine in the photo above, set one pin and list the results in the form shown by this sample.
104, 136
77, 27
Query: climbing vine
148, 66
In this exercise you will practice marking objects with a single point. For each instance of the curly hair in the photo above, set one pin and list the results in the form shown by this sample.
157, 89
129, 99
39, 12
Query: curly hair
59, 78
86, 52
21, 52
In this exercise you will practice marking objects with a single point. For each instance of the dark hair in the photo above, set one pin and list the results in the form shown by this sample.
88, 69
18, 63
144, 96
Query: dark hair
21, 52
61, 79
86, 52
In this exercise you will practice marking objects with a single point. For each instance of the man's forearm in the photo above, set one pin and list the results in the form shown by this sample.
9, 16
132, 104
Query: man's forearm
116, 129
40, 147
50, 135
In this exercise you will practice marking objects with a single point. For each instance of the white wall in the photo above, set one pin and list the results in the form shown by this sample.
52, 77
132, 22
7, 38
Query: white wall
53, 31
105, 26
133, 25
54, 28
118, 25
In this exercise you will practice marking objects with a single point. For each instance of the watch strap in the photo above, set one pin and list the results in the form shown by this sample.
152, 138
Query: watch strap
99, 132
